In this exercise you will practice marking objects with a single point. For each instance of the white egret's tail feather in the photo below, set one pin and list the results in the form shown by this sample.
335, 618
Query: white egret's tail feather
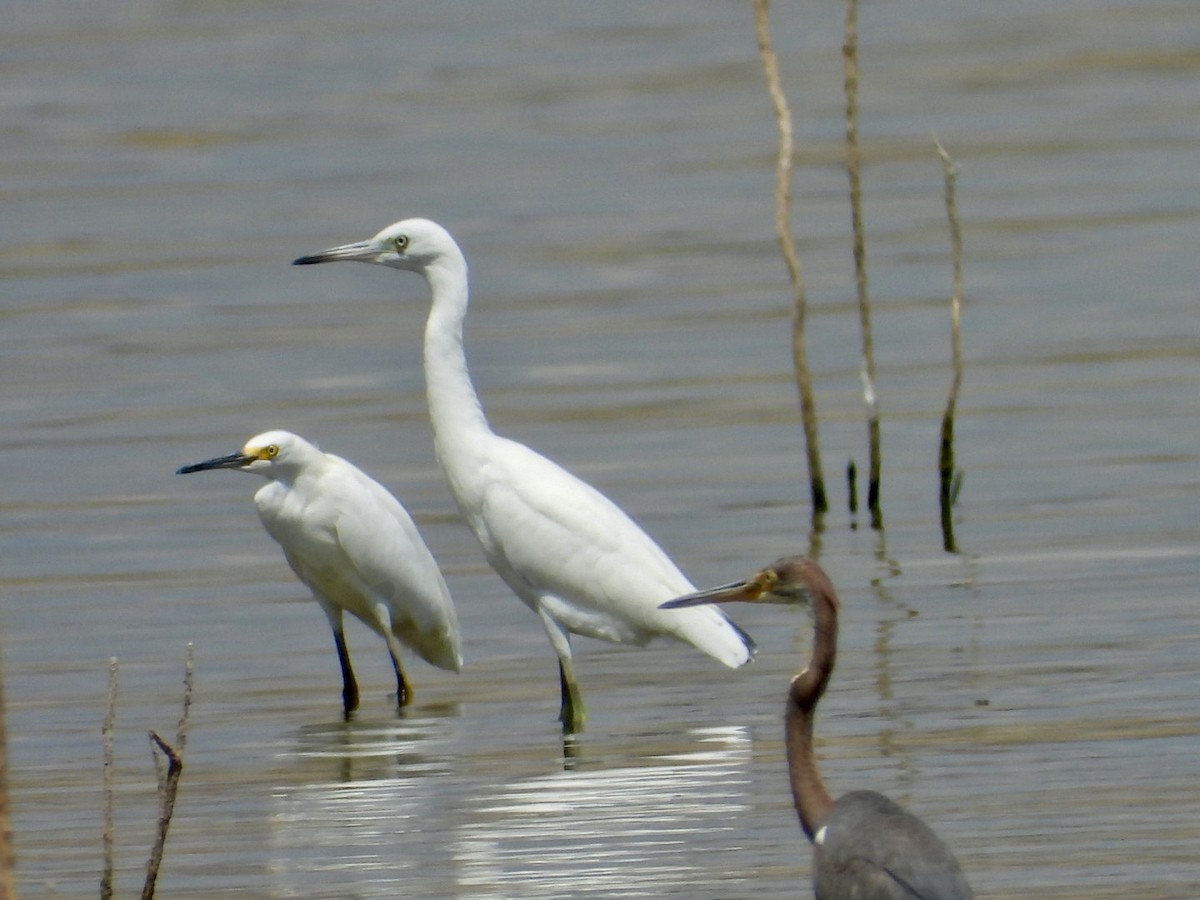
709, 630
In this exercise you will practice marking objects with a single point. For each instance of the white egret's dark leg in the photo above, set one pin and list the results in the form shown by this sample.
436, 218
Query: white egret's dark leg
572, 713
404, 693
349, 684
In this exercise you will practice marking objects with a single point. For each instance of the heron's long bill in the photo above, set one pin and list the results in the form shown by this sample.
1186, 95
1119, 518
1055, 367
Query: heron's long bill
232, 461
362, 251
744, 591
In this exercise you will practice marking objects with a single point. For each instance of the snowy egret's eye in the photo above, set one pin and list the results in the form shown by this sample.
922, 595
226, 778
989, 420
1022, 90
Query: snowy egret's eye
400, 242
271, 452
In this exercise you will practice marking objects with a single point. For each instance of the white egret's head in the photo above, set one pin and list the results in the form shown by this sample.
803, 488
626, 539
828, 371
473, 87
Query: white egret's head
413, 245
267, 454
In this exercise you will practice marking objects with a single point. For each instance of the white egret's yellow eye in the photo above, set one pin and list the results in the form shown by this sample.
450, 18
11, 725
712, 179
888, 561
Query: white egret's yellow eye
400, 242
271, 452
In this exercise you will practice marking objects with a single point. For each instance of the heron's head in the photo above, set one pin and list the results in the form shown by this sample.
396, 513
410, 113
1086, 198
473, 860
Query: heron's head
414, 245
794, 581
267, 454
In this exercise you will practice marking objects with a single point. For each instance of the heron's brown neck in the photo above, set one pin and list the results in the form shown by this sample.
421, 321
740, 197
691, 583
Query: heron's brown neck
813, 802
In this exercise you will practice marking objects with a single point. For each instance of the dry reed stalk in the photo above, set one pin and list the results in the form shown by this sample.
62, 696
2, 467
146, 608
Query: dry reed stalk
949, 479
8, 887
787, 243
169, 773
854, 171
109, 832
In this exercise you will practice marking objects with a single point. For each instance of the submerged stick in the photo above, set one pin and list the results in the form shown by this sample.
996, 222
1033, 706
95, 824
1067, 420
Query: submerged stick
109, 833
7, 875
169, 774
853, 170
949, 480
787, 244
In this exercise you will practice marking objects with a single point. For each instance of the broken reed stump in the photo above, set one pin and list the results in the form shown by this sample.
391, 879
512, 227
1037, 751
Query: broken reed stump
169, 768
852, 486
169, 773
950, 479
109, 832
787, 243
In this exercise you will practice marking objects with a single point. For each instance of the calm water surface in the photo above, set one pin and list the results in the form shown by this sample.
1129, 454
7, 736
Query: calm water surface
608, 170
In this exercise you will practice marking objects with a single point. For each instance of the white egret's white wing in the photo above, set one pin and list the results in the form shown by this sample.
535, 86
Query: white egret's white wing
380, 541
354, 545
548, 533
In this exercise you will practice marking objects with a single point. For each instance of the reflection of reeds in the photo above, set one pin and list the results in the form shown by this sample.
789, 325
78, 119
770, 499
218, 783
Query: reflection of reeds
853, 170
950, 480
787, 243
7, 878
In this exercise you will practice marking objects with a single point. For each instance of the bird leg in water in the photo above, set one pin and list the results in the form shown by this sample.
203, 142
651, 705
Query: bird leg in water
404, 693
383, 619
572, 714
349, 684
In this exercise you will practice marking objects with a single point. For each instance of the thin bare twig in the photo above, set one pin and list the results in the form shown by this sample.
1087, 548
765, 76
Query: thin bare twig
854, 171
169, 774
109, 833
8, 890
168, 785
949, 479
787, 244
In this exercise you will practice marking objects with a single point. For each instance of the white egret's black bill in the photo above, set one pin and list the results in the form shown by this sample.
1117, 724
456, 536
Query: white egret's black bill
357, 251
232, 461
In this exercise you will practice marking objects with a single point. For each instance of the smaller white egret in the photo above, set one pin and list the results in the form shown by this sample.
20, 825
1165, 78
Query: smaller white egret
355, 547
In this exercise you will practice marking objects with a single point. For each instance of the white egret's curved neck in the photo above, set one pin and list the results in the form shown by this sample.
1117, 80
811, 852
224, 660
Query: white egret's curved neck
454, 407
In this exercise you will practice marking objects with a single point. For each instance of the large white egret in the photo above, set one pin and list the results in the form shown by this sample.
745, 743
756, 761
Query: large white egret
563, 547
864, 845
355, 547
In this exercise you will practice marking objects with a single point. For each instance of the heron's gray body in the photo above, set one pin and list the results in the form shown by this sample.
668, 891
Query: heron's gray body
871, 848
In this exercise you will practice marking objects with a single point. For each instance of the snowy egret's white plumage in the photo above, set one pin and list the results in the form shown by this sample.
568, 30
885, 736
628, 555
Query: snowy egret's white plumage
563, 547
355, 546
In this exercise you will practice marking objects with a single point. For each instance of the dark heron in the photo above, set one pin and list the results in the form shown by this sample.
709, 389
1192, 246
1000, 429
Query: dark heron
865, 846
